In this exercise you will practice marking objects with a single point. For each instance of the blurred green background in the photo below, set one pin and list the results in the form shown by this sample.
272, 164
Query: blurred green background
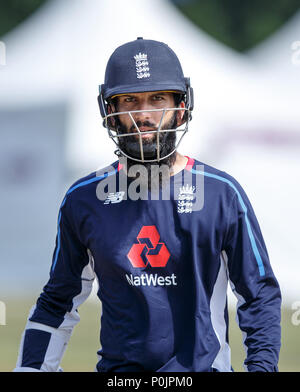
238, 24
81, 354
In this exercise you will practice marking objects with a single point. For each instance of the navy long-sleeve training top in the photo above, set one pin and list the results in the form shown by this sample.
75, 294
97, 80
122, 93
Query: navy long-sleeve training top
163, 264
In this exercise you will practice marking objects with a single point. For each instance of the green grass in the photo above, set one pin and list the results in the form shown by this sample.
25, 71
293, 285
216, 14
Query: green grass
81, 354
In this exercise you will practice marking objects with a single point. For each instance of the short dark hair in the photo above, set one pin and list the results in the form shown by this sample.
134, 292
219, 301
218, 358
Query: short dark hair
178, 98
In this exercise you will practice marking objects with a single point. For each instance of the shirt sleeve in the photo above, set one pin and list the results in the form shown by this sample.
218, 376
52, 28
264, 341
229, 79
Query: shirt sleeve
254, 284
52, 319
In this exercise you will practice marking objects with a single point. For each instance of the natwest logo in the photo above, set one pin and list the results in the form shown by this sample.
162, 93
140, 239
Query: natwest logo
151, 280
149, 250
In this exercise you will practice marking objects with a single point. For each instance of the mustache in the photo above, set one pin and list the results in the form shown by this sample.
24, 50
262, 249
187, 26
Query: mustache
142, 124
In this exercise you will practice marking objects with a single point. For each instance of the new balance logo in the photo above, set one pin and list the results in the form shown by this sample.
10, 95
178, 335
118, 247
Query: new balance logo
113, 198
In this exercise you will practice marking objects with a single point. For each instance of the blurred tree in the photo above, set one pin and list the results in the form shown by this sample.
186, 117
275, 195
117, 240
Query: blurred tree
13, 12
240, 24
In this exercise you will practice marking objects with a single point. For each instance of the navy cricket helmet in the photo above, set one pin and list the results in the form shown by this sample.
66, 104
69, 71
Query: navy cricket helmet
143, 66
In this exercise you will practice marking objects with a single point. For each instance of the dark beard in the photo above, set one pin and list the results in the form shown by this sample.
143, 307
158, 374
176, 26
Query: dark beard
167, 141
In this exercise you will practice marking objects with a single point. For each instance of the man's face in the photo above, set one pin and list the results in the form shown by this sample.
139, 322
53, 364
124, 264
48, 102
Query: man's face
147, 121
145, 101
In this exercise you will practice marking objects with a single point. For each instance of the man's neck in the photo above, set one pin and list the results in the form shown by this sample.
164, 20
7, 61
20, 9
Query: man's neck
179, 164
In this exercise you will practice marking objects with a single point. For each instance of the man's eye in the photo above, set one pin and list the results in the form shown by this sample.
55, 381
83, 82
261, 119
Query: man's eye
158, 98
129, 99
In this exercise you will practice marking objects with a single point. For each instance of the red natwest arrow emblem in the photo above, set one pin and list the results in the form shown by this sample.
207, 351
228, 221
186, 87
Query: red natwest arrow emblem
149, 249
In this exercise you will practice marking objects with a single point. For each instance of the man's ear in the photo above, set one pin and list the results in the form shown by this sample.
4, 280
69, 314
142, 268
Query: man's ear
110, 110
180, 114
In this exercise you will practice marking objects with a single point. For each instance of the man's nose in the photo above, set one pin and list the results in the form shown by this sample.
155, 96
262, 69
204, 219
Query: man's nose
143, 111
